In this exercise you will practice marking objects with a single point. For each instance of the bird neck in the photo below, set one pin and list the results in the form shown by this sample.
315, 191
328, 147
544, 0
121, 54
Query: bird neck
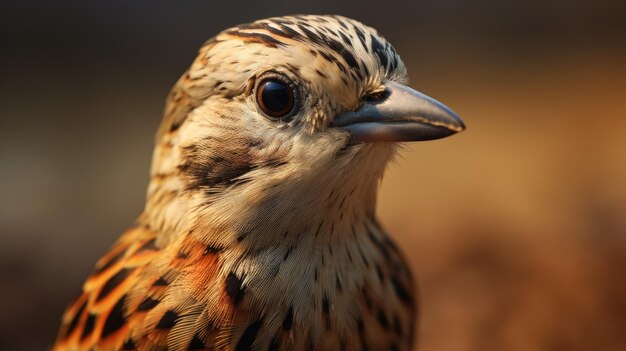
298, 244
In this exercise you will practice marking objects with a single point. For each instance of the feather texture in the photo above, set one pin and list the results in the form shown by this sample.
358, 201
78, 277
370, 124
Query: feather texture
258, 234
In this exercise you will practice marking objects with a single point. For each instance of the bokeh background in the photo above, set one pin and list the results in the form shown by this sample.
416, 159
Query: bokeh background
516, 228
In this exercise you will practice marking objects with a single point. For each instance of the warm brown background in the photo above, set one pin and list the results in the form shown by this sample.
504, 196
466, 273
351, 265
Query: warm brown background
515, 228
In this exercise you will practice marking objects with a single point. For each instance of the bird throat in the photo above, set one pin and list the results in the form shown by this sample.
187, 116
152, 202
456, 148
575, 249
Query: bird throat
297, 244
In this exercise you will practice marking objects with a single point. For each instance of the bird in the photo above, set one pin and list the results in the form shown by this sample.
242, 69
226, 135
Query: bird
259, 230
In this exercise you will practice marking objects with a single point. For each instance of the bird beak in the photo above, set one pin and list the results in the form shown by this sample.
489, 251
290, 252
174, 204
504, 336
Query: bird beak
403, 114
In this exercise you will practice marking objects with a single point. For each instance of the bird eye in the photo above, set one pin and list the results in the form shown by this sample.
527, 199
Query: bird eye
275, 97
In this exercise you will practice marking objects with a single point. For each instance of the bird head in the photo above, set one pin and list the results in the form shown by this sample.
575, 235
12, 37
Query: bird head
284, 117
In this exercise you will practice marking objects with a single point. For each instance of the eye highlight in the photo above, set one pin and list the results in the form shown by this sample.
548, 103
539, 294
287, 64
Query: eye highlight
276, 98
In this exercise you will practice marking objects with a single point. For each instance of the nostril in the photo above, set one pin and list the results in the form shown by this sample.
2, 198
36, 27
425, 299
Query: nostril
377, 96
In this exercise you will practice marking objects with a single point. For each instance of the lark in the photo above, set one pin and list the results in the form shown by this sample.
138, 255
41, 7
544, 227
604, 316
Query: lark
259, 230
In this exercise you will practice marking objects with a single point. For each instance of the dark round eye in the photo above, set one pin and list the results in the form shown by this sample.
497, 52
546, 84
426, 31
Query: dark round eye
275, 97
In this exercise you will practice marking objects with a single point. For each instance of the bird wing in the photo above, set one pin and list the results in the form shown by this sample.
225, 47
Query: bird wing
130, 301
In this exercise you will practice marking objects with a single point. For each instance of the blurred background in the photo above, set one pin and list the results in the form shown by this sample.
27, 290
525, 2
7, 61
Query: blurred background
516, 228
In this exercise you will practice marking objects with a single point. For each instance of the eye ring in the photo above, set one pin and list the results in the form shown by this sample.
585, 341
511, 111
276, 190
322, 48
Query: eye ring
277, 97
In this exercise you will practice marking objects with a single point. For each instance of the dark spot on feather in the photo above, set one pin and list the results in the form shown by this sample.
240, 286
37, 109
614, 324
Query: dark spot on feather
345, 39
309, 34
361, 36
160, 282
325, 304
196, 343
147, 304
182, 255
274, 344
113, 283
326, 56
345, 53
344, 71
212, 250
401, 291
343, 78
115, 320
177, 123
326, 310
212, 167
233, 288
274, 163
241, 236
168, 320
288, 321
343, 200
254, 143
90, 323
338, 283
257, 38
281, 31
75, 319
287, 253
356, 74
320, 73
289, 32
379, 51
129, 345
220, 170
248, 336
293, 69
382, 319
